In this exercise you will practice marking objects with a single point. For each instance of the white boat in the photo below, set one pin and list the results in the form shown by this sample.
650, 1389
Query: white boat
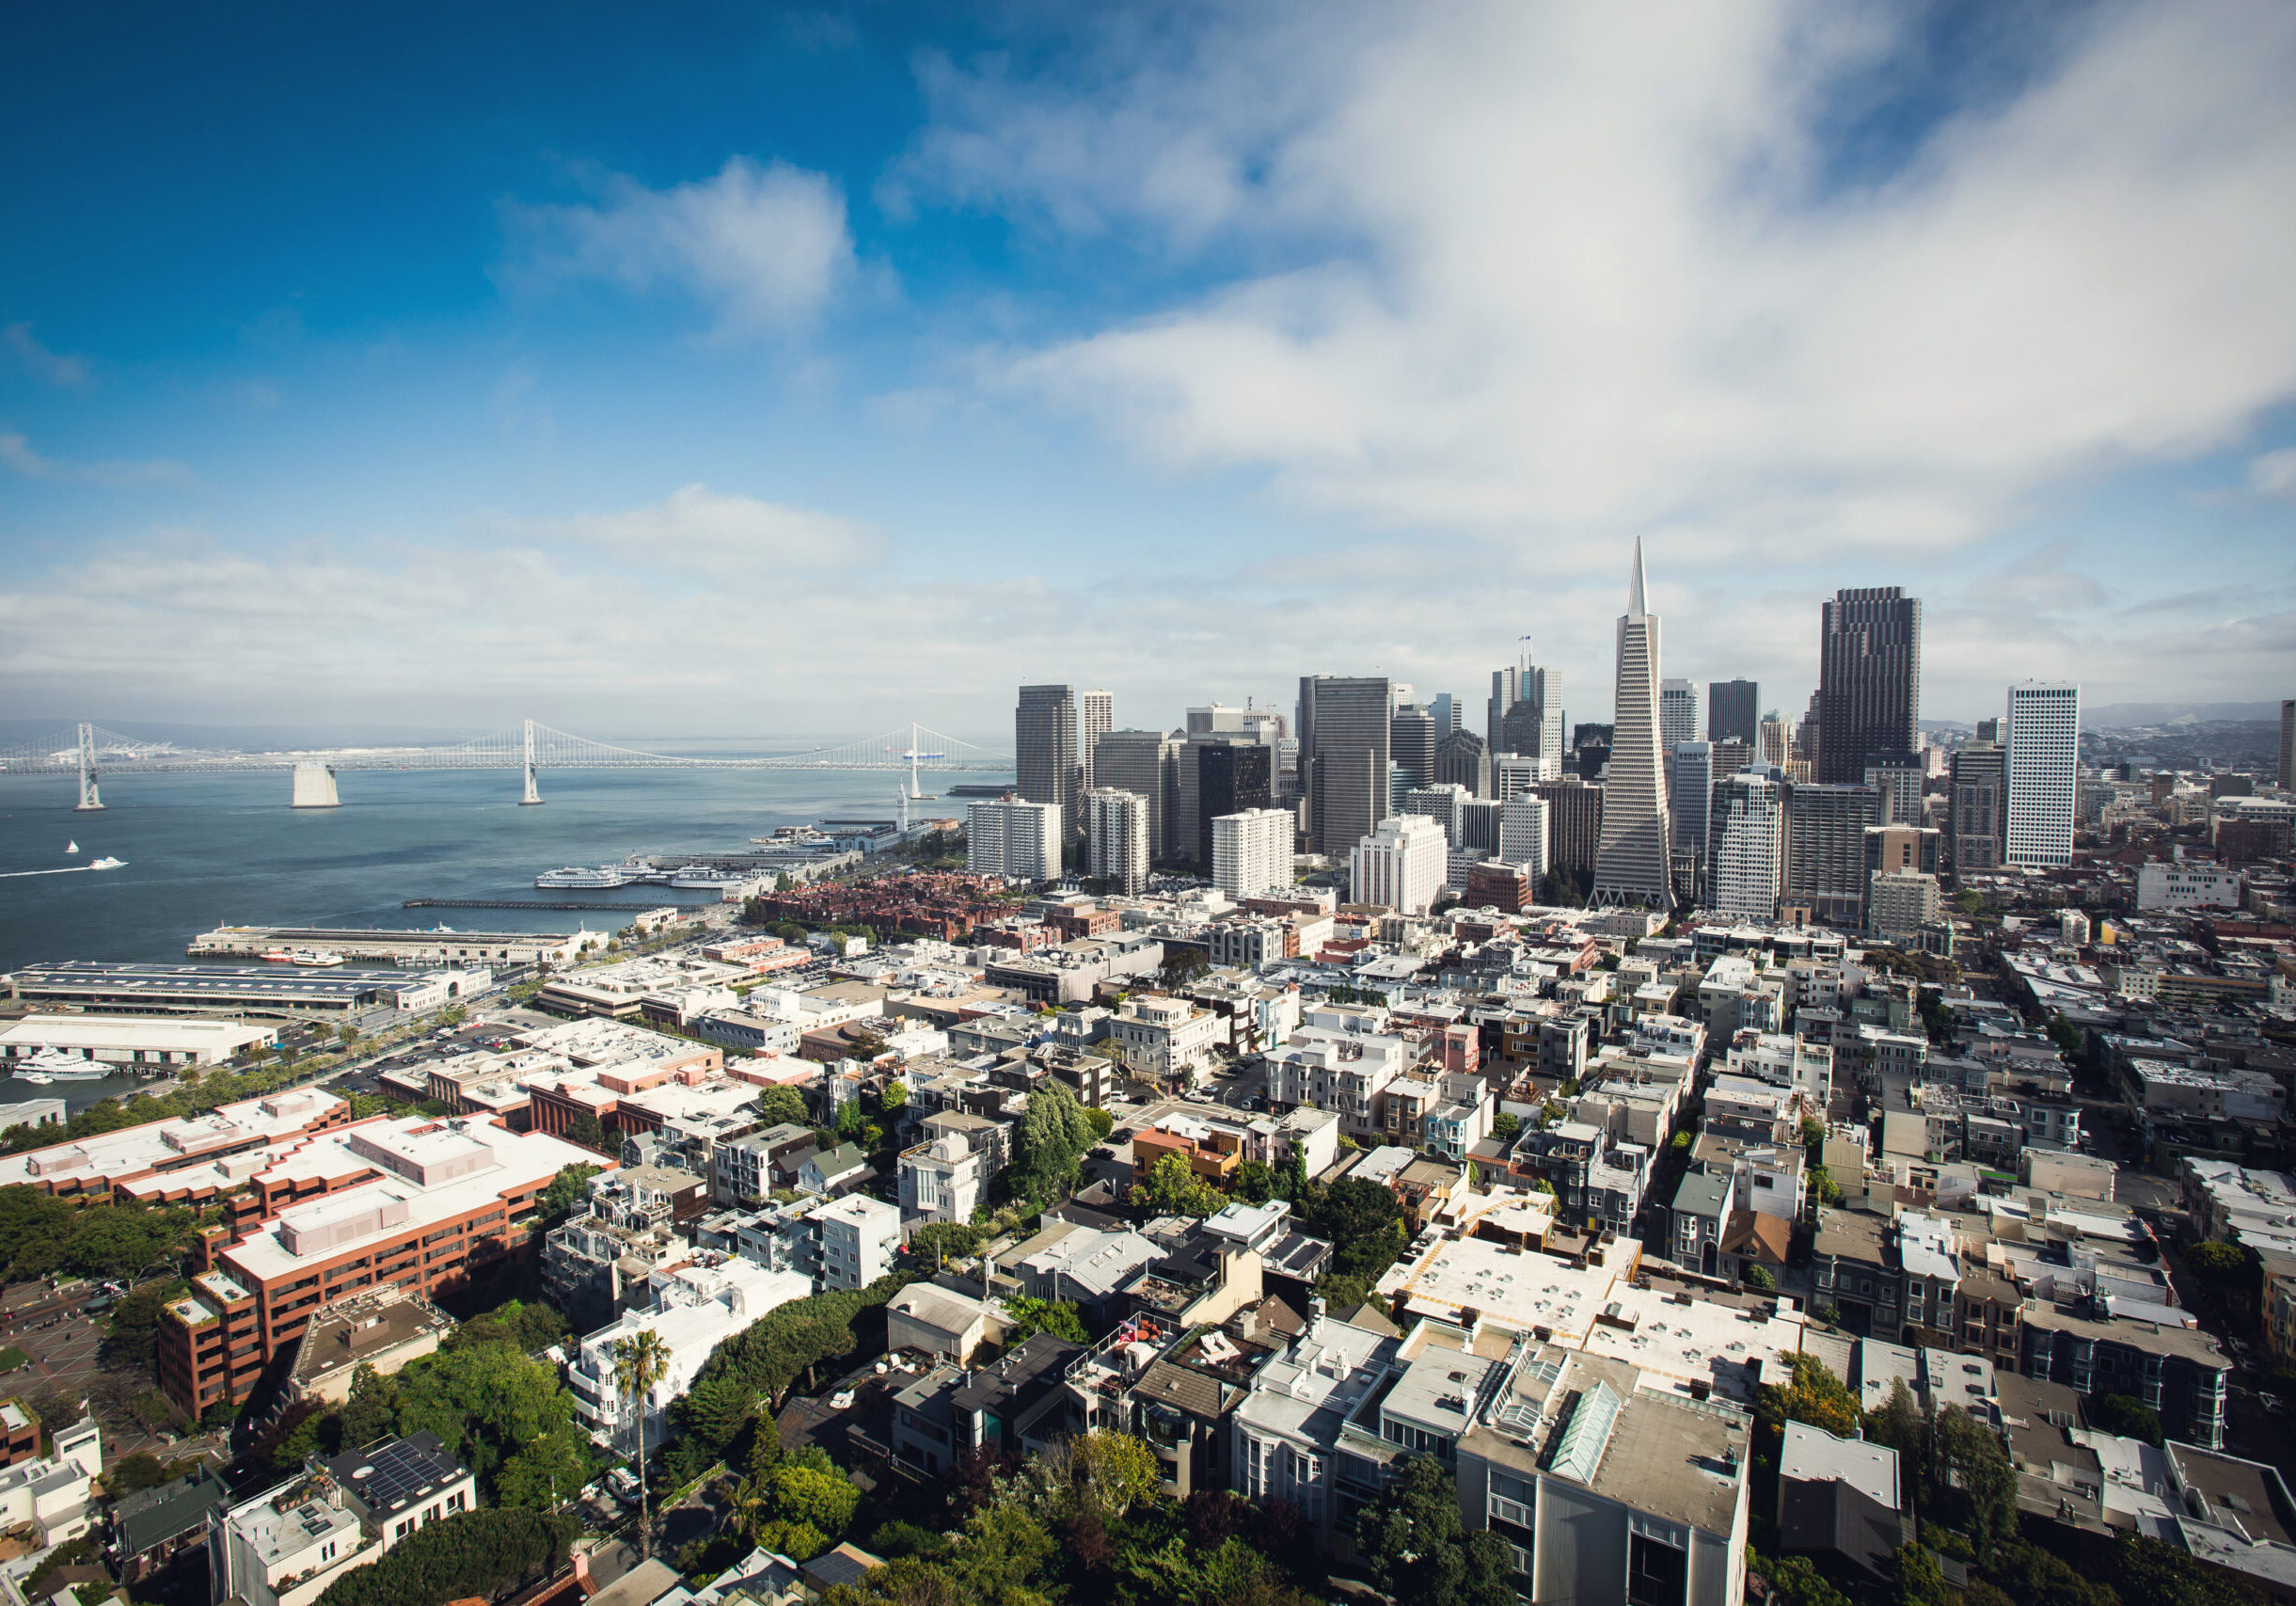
43, 1078
320, 958
701, 877
106, 864
93, 1074
71, 846
574, 875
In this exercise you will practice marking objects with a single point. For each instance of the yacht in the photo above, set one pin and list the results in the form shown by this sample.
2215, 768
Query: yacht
574, 875
319, 958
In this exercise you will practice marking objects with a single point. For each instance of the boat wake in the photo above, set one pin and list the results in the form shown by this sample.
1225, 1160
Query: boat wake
66, 870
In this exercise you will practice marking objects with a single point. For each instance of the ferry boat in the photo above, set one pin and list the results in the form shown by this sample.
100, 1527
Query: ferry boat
317, 957
106, 863
277, 956
574, 875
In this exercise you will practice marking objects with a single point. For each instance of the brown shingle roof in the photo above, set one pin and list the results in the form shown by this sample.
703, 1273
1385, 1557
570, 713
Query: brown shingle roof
1759, 1235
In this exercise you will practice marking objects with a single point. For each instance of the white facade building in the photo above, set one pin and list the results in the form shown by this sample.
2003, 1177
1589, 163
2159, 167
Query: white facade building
1251, 852
1117, 828
2042, 756
1020, 841
2179, 886
1400, 865
1445, 805
1748, 831
1523, 833
698, 1307
944, 1179
860, 1237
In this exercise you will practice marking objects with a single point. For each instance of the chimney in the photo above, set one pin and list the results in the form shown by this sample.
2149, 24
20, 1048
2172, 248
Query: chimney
581, 1568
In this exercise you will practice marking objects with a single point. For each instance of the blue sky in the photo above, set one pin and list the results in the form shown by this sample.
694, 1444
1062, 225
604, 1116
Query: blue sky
754, 370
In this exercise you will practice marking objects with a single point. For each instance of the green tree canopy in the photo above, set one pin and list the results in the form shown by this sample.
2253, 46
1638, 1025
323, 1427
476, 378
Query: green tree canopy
1050, 1144
1172, 1188
1033, 1316
1814, 1395
783, 1106
1419, 1552
472, 1553
2126, 1415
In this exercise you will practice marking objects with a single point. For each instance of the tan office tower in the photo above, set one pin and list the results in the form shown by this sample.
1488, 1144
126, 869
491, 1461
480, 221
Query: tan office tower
1633, 866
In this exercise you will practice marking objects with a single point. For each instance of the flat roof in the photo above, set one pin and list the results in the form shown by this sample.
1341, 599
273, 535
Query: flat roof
1811, 1454
130, 1031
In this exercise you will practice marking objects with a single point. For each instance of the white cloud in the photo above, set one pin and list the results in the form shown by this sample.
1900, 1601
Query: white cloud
695, 527
2274, 475
56, 367
1555, 273
766, 246
18, 457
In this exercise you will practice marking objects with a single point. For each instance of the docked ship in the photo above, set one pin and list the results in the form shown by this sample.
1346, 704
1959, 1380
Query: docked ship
573, 876
702, 878
54, 1065
318, 958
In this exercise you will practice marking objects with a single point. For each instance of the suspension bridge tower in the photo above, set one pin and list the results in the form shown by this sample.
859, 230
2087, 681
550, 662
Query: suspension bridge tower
533, 793
90, 800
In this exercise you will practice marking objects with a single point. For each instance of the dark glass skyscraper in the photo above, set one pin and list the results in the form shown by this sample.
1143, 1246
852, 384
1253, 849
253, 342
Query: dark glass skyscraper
1046, 765
1869, 681
1733, 710
1231, 777
1346, 724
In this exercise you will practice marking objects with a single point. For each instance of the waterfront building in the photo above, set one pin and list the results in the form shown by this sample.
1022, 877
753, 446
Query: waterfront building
1632, 866
133, 1041
1016, 839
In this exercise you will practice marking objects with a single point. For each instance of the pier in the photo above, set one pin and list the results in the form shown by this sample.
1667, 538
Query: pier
520, 903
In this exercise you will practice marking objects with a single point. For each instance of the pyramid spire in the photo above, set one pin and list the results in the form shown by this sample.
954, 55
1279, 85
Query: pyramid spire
1635, 605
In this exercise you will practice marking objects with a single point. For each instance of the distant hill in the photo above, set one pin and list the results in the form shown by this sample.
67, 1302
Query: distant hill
2111, 715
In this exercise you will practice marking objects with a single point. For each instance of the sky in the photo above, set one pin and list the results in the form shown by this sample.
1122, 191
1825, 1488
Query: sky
745, 369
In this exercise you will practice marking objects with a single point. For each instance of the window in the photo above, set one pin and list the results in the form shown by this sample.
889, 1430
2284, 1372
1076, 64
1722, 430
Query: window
1657, 1568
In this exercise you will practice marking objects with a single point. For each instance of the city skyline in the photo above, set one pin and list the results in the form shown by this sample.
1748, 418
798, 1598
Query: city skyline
979, 350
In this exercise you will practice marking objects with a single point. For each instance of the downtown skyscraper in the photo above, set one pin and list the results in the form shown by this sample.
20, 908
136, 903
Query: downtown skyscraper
1869, 694
1346, 724
1632, 866
2041, 770
1046, 765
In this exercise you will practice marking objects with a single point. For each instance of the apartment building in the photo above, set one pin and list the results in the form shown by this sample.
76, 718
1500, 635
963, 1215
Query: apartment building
695, 1307
1164, 1041
287, 1546
451, 1197
1344, 1072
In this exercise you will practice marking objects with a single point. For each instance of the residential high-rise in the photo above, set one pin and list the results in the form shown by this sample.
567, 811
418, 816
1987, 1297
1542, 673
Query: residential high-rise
1978, 801
1525, 715
1046, 766
1145, 762
1096, 716
1747, 825
1345, 724
1014, 839
1869, 681
1733, 708
1900, 781
2042, 773
1826, 828
1411, 746
1677, 713
1463, 759
1231, 777
1400, 865
1523, 834
1634, 865
1251, 852
1116, 838
1690, 794
1774, 743
1442, 804
2287, 744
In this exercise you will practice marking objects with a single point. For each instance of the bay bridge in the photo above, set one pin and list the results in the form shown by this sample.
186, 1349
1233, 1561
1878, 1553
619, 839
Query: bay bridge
90, 752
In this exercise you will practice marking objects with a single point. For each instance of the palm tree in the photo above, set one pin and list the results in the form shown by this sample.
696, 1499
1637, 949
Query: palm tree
640, 1361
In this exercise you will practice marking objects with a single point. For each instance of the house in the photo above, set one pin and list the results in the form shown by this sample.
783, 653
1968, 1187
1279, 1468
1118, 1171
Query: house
938, 1321
286, 1546
1087, 1268
834, 1171
1755, 1237
1702, 1210
148, 1529
859, 1237
696, 1306
1838, 1497
54, 1497
942, 1181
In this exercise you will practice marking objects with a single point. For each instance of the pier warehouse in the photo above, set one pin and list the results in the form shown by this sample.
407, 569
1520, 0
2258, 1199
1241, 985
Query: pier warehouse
435, 947
202, 990
130, 1039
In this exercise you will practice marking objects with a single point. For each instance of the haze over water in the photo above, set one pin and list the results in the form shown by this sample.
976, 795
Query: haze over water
204, 850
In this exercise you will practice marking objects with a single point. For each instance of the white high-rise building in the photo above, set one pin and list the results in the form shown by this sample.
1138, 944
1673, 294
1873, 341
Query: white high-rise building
1522, 834
1096, 716
2041, 756
1400, 865
1117, 828
1633, 864
1445, 806
1678, 710
1746, 827
1014, 839
1251, 852
1513, 772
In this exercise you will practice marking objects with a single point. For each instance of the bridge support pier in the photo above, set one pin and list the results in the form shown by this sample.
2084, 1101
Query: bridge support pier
90, 798
315, 786
533, 792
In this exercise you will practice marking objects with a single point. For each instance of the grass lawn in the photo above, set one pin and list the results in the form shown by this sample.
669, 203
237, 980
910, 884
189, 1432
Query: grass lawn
11, 1357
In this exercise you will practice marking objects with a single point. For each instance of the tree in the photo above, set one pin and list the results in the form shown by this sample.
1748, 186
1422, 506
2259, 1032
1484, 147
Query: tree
1972, 1454
470, 1553
1182, 966
130, 1473
1759, 1276
1173, 1188
2126, 1415
568, 1191
939, 1242
1050, 1144
134, 1337
1814, 1395
584, 1132
1795, 1581
1101, 1121
1255, 1182
1899, 1423
1919, 1579
783, 1106
1506, 1125
2146, 1569
822, 1501
640, 1361
1419, 1553
1364, 1223
1033, 1316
